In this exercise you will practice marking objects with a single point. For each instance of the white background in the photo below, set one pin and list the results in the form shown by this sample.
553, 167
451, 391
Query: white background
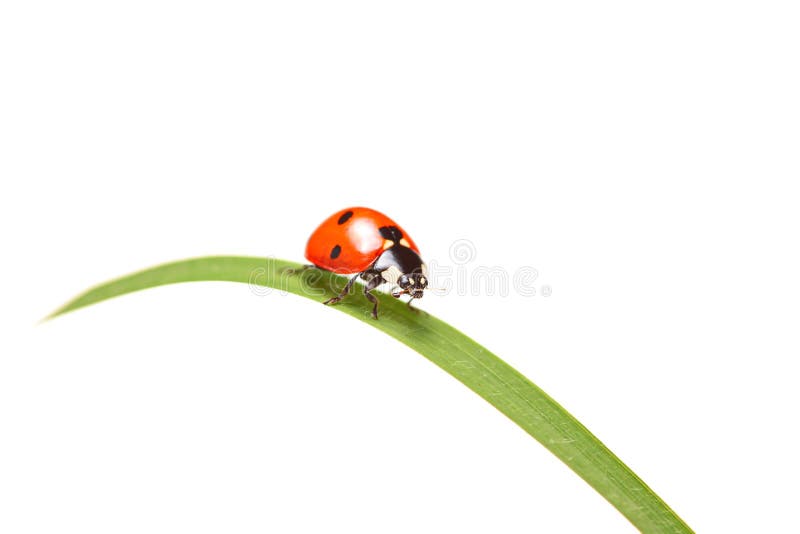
643, 158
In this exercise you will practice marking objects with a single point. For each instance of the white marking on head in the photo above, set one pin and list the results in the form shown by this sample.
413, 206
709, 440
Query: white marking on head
391, 275
422, 280
411, 281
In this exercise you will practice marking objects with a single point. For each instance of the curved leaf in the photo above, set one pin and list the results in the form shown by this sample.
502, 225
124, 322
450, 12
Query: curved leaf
480, 370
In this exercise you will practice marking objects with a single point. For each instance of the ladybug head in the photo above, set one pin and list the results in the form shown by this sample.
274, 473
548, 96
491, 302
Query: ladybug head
414, 284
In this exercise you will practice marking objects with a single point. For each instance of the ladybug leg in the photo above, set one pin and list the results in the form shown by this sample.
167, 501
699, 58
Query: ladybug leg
372, 284
345, 291
414, 308
290, 271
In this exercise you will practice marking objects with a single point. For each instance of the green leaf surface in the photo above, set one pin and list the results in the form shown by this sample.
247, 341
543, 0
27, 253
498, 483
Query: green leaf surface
477, 368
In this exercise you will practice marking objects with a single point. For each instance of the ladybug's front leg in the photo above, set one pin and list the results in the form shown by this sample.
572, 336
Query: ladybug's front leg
397, 293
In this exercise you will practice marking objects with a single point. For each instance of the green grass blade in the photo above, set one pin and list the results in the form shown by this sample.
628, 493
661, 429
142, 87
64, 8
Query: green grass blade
480, 370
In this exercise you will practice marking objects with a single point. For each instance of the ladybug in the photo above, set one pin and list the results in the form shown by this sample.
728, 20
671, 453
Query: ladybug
371, 246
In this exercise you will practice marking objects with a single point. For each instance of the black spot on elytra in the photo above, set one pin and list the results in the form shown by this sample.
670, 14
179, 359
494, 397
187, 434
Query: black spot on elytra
335, 252
345, 217
391, 232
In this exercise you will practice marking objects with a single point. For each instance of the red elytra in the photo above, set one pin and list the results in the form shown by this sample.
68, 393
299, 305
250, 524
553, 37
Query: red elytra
367, 243
357, 234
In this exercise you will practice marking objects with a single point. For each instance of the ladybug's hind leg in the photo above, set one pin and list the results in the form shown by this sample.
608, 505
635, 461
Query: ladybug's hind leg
291, 270
345, 291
